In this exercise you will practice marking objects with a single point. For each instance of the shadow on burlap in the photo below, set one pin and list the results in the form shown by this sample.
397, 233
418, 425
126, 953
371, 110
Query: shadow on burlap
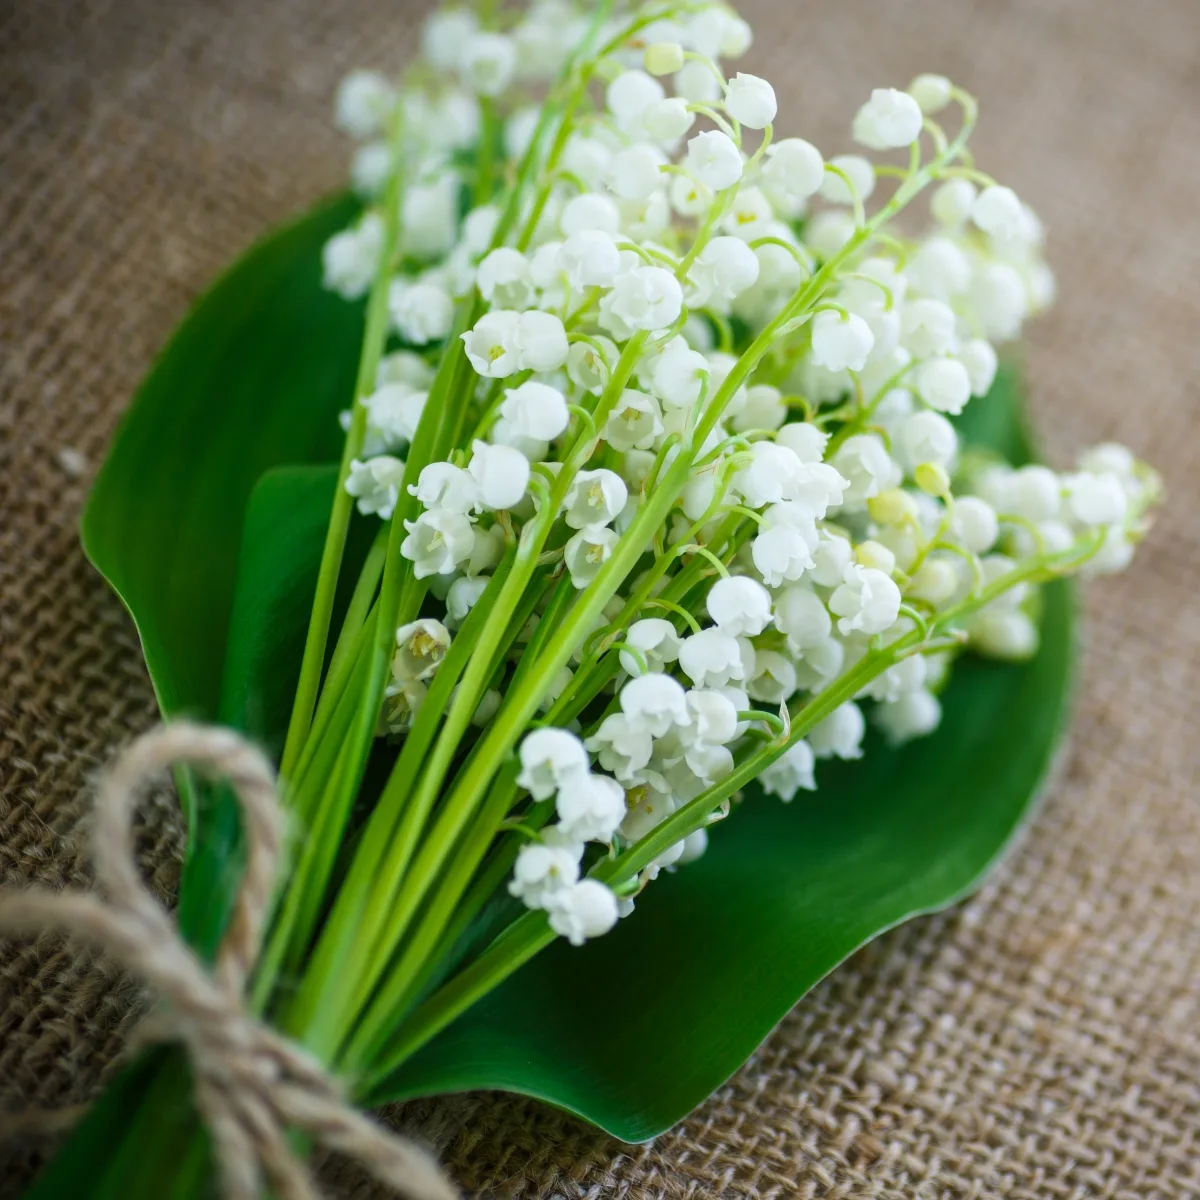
1038, 1041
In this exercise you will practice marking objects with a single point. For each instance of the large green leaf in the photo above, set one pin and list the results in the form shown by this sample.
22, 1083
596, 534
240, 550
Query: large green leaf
252, 379
637, 1028
284, 533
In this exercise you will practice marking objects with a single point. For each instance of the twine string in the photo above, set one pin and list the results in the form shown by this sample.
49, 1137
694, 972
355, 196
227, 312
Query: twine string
252, 1085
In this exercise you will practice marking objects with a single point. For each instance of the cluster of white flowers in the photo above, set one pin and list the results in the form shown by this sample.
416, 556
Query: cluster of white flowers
681, 282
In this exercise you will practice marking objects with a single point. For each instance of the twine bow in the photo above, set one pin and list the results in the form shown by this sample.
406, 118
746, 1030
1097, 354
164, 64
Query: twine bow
252, 1085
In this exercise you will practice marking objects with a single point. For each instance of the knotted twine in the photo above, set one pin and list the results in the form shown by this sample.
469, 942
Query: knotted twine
252, 1086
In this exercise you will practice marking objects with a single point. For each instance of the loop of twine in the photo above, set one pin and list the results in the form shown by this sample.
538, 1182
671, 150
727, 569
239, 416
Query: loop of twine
252, 1086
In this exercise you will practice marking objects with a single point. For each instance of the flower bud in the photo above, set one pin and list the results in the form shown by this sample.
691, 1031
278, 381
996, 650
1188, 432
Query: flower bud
664, 58
931, 478
893, 507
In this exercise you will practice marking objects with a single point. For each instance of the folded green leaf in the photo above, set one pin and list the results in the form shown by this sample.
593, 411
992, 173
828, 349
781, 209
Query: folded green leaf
252, 379
635, 1029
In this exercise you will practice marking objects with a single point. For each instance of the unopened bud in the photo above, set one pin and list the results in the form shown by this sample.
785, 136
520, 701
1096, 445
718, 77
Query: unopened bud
664, 58
875, 554
936, 582
892, 507
932, 478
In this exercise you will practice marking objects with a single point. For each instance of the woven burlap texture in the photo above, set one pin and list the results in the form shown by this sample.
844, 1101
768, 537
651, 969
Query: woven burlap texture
1038, 1041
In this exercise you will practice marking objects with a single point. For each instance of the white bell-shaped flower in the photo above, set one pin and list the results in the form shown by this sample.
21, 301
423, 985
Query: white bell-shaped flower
974, 525
491, 345
774, 679
793, 168
765, 409
841, 342
770, 476
718, 32
980, 361
634, 172
375, 484
591, 809
394, 412
350, 259
648, 804
1034, 493
790, 773
864, 462
802, 618
867, 601
487, 63
952, 202
783, 552
622, 746
1000, 301
589, 366
750, 101
860, 173
501, 474
647, 298
943, 383
678, 374
739, 606
656, 702
594, 498
714, 160
929, 327
657, 642
666, 121
589, 258
925, 437
588, 551
504, 279
804, 440
590, 211
540, 341
542, 871
940, 269
441, 485
422, 312
438, 542
536, 410
889, 120
1004, 633
586, 909
714, 717
364, 104
421, 646
635, 422
463, 595
931, 92
1095, 498
908, 675
831, 557
912, 715
711, 659
840, 735
550, 759
630, 94
997, 211
724, 269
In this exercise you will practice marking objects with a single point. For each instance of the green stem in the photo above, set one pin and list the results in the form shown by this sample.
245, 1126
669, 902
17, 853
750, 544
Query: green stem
374, 337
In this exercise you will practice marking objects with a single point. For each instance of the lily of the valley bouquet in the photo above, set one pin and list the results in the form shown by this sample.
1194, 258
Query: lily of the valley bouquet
674, 475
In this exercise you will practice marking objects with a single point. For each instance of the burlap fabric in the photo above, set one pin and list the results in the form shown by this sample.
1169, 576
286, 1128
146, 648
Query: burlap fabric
1039, 1041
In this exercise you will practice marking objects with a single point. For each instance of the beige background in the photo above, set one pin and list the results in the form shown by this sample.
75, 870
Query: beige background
1039, 1041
